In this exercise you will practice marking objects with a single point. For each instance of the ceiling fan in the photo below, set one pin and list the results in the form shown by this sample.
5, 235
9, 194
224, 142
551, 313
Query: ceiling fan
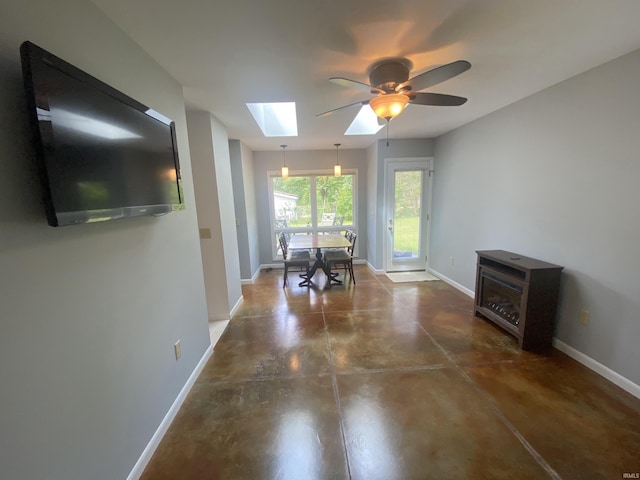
389, 81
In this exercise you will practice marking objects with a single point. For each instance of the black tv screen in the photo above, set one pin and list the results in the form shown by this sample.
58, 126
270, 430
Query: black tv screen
102, 155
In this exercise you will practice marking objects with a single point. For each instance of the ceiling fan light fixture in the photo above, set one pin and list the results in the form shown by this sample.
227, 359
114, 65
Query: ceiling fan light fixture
389, 105
285, 170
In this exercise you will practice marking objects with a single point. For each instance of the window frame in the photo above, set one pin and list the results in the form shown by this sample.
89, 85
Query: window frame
315, 228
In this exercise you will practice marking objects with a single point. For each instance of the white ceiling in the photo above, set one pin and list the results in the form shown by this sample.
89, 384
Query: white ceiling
229, 53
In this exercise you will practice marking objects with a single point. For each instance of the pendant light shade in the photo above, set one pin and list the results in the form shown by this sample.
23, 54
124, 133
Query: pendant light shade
389, 105
337, 168
285, 169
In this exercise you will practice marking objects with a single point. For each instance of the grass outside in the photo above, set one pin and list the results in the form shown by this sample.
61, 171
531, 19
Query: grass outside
407, 235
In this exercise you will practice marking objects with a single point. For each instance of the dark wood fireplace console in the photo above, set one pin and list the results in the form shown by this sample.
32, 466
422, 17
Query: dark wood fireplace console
519, 294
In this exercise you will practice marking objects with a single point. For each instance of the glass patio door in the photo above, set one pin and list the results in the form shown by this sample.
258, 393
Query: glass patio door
406, 215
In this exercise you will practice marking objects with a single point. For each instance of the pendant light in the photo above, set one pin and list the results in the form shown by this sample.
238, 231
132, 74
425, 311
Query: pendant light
285, 169
337, 169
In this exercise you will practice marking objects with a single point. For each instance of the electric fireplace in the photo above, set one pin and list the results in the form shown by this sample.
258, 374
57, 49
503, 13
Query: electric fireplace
519, 294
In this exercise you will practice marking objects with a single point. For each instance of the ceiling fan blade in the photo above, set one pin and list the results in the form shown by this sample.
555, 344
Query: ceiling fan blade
435, 76
329, 112
345, 82
437, 99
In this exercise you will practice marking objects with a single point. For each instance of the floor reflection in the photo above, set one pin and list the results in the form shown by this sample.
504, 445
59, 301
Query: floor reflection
389, 381
372, 454
298, 447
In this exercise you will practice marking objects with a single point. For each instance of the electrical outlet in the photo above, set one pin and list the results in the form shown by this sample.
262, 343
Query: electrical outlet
452, 261
584, 317
177, 348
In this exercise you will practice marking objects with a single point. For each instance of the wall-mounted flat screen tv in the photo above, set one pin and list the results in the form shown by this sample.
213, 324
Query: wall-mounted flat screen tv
102, 155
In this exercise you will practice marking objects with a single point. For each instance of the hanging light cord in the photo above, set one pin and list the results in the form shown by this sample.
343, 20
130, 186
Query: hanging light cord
388, 119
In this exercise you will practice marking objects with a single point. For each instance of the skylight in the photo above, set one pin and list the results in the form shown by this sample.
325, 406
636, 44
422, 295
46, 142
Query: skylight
275, 119
365, 123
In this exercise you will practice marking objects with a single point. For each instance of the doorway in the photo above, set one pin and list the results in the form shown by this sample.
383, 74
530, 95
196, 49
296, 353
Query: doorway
407, 213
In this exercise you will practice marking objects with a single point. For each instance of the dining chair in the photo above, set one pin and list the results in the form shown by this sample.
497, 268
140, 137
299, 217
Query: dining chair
328, 219
292, 259
343, 257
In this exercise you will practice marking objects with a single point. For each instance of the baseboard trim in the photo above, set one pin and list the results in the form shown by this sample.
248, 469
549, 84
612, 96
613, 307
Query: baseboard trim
374, 270
236, 307
453, 283
252, 279
151, 447
267, 266
614, 377
600, 369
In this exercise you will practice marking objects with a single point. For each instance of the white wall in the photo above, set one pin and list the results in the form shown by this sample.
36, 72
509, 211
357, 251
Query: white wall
251, 207
206, 193
555, 177
244, 199
216, 213
88, 313
240, 208
227, 211
372, 204
307, 160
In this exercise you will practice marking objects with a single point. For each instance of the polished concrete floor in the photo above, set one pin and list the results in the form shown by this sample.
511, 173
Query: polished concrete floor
389, 381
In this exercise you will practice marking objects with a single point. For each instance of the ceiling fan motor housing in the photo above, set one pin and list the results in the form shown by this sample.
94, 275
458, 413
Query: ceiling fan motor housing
388, 74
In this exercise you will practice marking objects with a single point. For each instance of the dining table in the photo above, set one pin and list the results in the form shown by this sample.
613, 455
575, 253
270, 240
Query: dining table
318, 242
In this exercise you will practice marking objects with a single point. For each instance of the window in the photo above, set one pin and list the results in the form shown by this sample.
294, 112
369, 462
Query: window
311, 203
